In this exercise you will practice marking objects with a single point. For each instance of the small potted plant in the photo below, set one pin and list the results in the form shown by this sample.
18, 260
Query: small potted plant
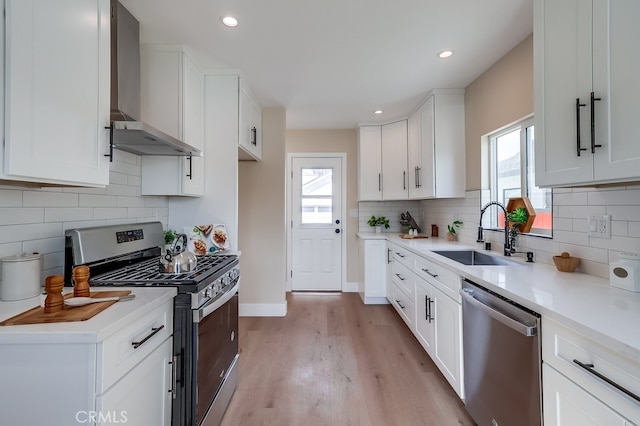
378, 223
516, 218
453, 228
169, 237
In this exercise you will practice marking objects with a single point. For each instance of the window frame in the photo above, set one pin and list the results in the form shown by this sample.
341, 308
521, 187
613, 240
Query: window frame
522, 125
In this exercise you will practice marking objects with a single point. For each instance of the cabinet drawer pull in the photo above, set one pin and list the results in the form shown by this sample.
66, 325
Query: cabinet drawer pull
593, 123
110, 154
418, 177
154, 331
400, 276
388, 255
578, 106
399, 304
430, 316
404, 180
400, 254
190, 174
428, 272
589, 368
254, 136
379, 182
174, 376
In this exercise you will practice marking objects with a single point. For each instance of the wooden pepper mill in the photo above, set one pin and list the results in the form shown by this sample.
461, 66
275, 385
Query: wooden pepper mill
80, 276
54, 301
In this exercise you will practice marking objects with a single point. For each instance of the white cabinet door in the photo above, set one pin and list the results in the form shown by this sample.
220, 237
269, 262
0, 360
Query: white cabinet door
374, 257
580, 140
421, 152
369, 163
567, 404
143, 396
57, 64
425, 328
172, 100
394, 161
389, 270
446, 315
250, 124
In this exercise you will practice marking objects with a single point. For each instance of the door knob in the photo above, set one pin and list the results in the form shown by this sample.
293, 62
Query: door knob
337, 231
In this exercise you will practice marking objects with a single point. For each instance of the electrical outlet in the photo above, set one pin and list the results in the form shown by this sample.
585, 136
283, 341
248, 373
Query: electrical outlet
599, 226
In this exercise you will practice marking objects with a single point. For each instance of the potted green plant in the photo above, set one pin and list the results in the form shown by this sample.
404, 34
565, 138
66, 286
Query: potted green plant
378, 223
169, 237
517, 217
453, 228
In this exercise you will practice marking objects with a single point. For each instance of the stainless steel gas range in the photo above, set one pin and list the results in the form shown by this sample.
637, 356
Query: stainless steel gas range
205, 340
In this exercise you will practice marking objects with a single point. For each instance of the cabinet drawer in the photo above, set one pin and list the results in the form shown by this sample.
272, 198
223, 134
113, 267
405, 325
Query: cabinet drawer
441, 278
404, 305
561, 346
125, 349
402, 255
403, 278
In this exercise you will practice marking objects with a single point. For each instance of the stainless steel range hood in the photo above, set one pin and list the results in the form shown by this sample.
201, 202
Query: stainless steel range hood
128, 132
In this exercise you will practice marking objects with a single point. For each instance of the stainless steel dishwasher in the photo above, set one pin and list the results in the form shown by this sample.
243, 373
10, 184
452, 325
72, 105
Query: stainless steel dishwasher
501, 347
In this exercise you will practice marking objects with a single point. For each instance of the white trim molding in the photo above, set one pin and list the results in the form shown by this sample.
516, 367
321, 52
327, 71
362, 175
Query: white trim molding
262, 309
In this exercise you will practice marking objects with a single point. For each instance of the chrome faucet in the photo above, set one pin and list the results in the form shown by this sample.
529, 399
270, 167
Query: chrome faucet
507, 244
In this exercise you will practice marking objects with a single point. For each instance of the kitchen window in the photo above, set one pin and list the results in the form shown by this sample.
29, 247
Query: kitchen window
512, 174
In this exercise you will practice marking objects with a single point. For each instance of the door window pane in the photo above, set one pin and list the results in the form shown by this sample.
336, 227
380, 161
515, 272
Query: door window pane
316, 197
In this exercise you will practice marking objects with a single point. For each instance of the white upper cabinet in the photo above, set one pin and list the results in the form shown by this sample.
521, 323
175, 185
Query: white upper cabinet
436, 144
56, 92
369, 163
394, 161
250, 125
172, 100
586, 61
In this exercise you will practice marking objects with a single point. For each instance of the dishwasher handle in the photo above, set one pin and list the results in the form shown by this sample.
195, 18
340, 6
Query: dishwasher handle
524, 329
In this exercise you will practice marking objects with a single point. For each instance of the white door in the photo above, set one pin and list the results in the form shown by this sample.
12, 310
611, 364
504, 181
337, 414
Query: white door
316, 221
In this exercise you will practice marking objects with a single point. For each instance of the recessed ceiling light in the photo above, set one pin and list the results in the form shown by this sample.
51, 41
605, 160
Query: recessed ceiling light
445, 54
230, 21
378, 111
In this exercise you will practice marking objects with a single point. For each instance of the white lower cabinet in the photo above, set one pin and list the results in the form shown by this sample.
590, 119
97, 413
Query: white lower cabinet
567, 404
125, 378
141, 397
439, 330
583, 380
426, 297
373, 262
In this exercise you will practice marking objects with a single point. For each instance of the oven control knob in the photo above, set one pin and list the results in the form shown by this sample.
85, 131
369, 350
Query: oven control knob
226, 280
207, 292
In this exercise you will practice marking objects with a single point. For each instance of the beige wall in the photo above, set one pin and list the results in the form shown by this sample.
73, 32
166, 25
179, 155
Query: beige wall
335, 141
501, 95
261, 220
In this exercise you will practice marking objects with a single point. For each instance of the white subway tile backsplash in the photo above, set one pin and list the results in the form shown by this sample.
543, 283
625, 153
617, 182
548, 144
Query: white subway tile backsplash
36, 219
10, 198
624, 212
615, 197
575, 211
562, 224
570, 198
16, 216
88, 200
49, 199
633, 229
66, 214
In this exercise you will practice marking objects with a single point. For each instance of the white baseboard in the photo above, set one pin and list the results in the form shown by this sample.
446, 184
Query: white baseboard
350, 287
263, 309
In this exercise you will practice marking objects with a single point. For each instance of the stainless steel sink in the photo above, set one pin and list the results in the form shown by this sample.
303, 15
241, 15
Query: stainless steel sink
472, 257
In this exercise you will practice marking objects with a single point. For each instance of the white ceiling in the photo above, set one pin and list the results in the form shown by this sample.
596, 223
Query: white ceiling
330, 63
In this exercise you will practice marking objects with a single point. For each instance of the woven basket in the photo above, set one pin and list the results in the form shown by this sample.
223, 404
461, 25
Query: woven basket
565, 262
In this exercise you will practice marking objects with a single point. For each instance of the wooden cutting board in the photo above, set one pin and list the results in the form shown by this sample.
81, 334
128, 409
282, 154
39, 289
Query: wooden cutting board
411, 237
68, 313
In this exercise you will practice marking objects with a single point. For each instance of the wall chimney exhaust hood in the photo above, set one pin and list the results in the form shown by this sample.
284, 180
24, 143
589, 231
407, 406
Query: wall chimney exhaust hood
128, 132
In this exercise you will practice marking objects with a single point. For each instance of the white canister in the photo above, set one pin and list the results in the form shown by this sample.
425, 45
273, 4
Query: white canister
20, 277
625, 273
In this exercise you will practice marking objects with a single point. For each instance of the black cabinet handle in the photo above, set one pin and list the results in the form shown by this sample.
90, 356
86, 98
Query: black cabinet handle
578, 106
418, 177
254, 136
426, 307
388, 255
593, 123
428, 272
154, 331
429, 315
590, 369
404, 180
110, 154
379, 181
399, 304
190, 174
400, 276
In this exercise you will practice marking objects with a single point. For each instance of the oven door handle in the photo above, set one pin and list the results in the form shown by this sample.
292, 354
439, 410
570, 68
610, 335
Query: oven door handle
205, 310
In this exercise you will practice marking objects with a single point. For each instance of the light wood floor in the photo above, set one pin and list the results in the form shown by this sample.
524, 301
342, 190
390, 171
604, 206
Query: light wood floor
334, 361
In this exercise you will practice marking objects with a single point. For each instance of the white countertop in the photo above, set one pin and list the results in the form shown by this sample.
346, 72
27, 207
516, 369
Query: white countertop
586, 303
93, 330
